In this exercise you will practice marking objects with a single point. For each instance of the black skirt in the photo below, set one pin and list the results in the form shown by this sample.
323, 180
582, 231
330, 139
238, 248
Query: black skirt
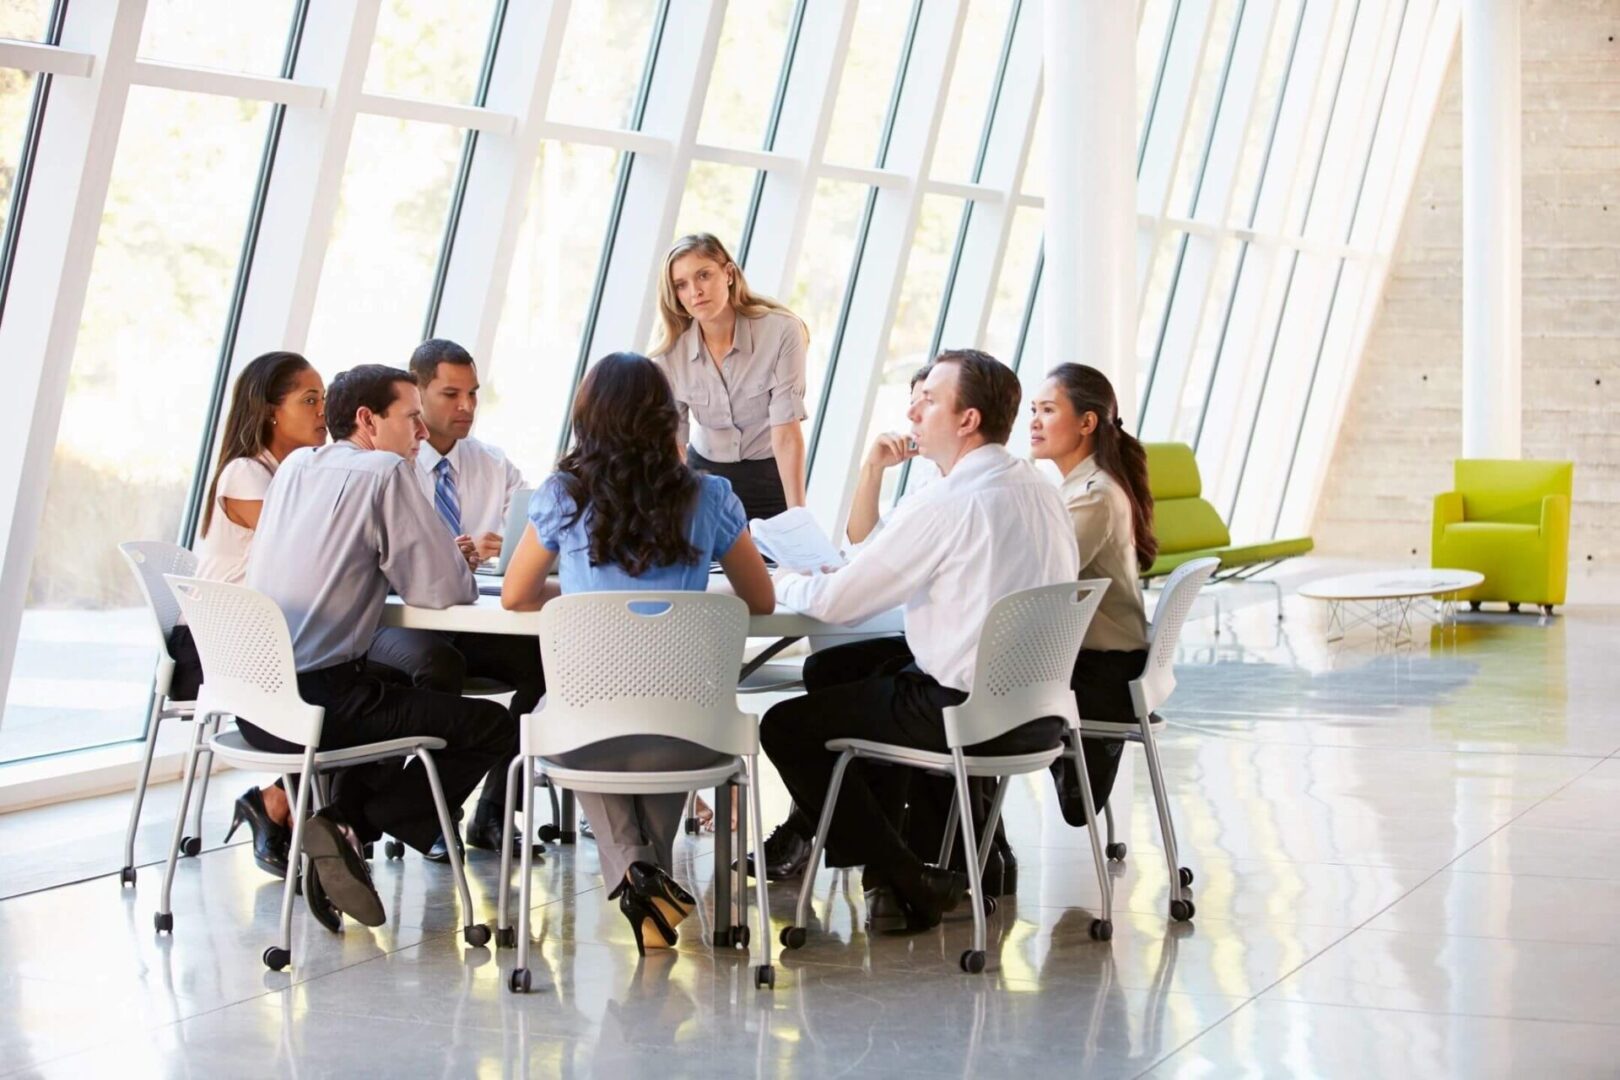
757, 483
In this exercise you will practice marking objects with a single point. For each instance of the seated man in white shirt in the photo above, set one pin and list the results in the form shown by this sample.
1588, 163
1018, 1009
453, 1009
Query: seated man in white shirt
470, 485
342, 524
990, 526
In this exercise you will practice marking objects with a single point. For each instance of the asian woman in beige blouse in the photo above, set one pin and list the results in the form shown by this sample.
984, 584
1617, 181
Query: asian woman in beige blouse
736, 362
1075, 424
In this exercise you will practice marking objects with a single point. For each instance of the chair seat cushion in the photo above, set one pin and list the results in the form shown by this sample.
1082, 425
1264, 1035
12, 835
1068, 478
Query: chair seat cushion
609, 782
232, 747
934, 761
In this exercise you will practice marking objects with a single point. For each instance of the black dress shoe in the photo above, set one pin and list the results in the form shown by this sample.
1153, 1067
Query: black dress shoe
344, 875
786, 855
929, 896
486, 836
319, 904
270, 840
883, 905
439, 853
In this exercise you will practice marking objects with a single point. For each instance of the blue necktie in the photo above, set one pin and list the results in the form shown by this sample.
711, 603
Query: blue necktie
445, 499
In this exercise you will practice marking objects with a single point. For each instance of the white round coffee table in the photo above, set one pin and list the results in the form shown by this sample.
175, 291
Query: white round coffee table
1383, 599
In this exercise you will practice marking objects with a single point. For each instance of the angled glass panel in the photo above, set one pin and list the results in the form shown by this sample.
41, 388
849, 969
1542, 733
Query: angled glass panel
429, 49
385, 243
911, 336
1034, 181
1257, 139
16, 92
604, 51
1012, 287
1201, 110
1201, 364
867, 85
193, 32
528, 380
1155, 297
715, 201
1153, 27
978, 57
747, 66
825, 261
25, 20
158, 294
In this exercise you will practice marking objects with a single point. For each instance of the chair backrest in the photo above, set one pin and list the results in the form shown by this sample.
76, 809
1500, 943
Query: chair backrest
641, 663
247, 658
1027, 651
149, 560
1182, 519
1510, 491
1158, 678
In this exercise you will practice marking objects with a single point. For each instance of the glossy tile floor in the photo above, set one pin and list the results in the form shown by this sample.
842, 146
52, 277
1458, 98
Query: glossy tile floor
1408, 864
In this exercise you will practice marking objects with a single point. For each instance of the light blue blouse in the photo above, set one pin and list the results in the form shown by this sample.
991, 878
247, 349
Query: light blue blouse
716, 524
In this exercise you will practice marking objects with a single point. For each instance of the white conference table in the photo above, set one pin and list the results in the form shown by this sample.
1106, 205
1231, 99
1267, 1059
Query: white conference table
486, 616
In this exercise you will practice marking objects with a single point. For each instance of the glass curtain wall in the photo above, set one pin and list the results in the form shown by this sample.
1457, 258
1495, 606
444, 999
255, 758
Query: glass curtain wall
914, 158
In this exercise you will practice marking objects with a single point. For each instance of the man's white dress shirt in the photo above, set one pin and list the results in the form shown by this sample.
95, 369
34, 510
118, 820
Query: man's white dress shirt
485, 482
993, 526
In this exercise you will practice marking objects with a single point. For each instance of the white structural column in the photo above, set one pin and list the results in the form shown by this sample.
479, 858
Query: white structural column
1492, 248
56, 246
1089, 281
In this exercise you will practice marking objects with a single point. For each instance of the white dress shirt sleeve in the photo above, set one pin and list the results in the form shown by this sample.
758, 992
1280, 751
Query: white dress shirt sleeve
891, 568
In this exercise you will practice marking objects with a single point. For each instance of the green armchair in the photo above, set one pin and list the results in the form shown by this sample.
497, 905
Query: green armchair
1508, 520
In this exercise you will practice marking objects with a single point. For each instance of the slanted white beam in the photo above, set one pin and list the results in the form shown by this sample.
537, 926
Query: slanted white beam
445, 113
228, 84
498, 180
304, 183
56, 246
45, 59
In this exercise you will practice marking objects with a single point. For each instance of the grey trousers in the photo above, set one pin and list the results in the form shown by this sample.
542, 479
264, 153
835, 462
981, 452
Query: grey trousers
636, 828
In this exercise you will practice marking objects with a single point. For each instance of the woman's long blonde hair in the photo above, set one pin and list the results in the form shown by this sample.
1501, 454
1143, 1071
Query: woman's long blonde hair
673, 319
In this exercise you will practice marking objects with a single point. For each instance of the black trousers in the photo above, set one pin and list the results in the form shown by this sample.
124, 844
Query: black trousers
384, 798
898, 704
1102, 691
187, 677
757, 483
442, 661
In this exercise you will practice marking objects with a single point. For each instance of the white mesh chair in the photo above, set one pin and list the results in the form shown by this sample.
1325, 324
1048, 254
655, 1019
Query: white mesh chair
1027, 650
248, 671
635, 664
149, 560
1149, 691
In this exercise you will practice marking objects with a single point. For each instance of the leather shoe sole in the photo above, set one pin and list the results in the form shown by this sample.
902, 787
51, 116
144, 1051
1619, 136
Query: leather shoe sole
343, 873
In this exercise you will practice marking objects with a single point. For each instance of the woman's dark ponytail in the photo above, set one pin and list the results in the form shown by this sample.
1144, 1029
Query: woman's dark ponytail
1118, 453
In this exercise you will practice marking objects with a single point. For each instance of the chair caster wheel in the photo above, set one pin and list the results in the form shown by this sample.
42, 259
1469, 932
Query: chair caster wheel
394, 849
989, 906
506, 937
1182, 910
276, 958
1186, 876
191, 846
1101, 930
973, 961
793, 937
550, 833
740, 937
476, 935
765, 977
518, 981
1115, 852
163, 922
126, 877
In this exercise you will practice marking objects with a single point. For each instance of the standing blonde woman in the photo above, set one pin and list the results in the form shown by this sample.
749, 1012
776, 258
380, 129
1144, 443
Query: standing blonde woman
736, 363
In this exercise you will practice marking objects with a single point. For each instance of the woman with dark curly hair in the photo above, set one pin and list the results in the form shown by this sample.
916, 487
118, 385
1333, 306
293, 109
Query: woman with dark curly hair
622, 512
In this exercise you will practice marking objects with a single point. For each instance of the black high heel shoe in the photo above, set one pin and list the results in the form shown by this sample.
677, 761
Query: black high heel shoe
270, 840
644, 896
662, 891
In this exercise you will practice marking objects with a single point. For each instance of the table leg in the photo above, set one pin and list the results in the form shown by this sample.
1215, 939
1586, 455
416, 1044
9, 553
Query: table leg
568, 827
722, 866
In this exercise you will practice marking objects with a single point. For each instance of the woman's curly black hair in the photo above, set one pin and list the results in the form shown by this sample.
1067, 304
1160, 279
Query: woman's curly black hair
625, 468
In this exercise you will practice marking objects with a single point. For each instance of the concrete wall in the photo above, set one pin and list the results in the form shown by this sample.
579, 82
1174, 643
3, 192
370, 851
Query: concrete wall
1403, 425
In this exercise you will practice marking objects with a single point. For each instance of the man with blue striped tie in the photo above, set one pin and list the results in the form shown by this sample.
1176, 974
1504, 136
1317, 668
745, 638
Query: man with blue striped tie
470, 485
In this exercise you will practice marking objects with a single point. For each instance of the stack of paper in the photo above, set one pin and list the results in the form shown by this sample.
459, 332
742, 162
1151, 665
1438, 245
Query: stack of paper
794, 540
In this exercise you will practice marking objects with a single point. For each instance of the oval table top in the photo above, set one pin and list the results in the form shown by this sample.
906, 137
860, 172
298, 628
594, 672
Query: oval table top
1391, 584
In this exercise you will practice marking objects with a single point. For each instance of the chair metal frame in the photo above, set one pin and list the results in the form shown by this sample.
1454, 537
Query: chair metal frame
1023, 671
617, 668
248, 671
149, 561
1149, 691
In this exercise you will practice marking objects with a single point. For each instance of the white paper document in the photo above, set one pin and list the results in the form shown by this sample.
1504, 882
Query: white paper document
793, 539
